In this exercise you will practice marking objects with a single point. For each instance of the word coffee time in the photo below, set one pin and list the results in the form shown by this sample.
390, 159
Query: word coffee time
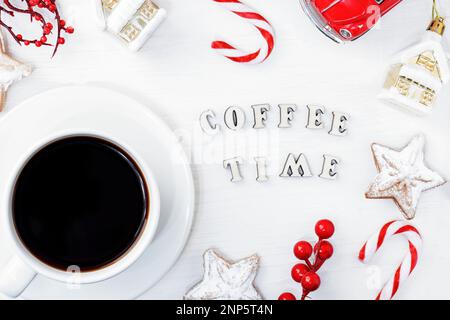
296, 164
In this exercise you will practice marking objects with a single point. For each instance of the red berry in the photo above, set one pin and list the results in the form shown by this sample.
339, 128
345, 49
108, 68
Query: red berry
37, 17
70, 29
38, 44
324, 229
298, 271
48, 25
325, 250
62, 23
26, 42
286, 296
19, 36
47, 30
61, 41
52, 8
43, 39
41, 4
303, 250
311, 281
33, 2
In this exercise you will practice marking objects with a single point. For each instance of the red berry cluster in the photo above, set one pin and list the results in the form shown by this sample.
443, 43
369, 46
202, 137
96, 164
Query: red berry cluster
36, 9
306, 273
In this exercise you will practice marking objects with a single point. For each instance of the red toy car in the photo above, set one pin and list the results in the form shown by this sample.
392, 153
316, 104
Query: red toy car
346, 20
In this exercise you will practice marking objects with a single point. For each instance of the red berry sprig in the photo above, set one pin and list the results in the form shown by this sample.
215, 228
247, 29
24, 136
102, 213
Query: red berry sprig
36, 9
306, 273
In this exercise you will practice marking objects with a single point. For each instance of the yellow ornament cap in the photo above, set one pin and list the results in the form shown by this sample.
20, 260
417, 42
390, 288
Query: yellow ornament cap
437, 25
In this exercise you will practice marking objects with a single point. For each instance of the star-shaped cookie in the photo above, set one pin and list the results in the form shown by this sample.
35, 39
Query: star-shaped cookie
226, 281
402, 175
11, 71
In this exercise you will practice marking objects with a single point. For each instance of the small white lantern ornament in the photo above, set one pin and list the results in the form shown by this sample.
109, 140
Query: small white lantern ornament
133, 21
419, 73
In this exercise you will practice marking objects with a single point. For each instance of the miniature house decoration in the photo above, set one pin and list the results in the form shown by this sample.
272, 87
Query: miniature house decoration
133, 21
418, 73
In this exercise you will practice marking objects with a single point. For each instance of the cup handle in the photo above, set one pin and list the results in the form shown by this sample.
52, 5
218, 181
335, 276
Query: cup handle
15, 277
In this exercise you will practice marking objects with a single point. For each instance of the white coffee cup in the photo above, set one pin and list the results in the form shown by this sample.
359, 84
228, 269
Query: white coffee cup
23, 266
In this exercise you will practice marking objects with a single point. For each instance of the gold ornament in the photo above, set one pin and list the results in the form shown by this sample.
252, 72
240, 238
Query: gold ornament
420, 72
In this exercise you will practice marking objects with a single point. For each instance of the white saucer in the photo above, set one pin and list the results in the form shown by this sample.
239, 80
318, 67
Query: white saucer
106, 111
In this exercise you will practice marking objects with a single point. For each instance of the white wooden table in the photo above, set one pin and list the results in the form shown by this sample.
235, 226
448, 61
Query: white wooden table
178, 76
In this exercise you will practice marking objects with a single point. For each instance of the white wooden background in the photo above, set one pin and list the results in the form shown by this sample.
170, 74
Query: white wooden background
178, 76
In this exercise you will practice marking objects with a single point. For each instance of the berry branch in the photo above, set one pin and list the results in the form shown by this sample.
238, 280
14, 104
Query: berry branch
36, 10
306, 273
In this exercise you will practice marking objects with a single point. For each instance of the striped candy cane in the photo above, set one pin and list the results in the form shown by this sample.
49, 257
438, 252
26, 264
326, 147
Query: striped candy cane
409, 262
260, 23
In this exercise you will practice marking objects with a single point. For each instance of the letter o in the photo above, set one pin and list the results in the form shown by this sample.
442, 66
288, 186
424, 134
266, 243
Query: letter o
234, 118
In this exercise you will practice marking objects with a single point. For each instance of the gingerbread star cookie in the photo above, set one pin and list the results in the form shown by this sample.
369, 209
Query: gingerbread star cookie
402, 175
11, 71
224, 280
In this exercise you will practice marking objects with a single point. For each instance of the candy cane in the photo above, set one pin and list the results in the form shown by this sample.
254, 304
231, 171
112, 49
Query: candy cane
260, 23
409, 262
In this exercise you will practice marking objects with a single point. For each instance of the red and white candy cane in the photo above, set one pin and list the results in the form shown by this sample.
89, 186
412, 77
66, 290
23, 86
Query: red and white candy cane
394, 228
260, 23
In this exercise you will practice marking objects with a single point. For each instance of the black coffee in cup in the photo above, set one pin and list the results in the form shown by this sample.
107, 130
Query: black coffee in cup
80, 201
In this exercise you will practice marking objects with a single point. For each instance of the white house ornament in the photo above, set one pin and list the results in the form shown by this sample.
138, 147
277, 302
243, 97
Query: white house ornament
402, 175
133, 21
99, 14
11, 71
418, 73
224, 280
